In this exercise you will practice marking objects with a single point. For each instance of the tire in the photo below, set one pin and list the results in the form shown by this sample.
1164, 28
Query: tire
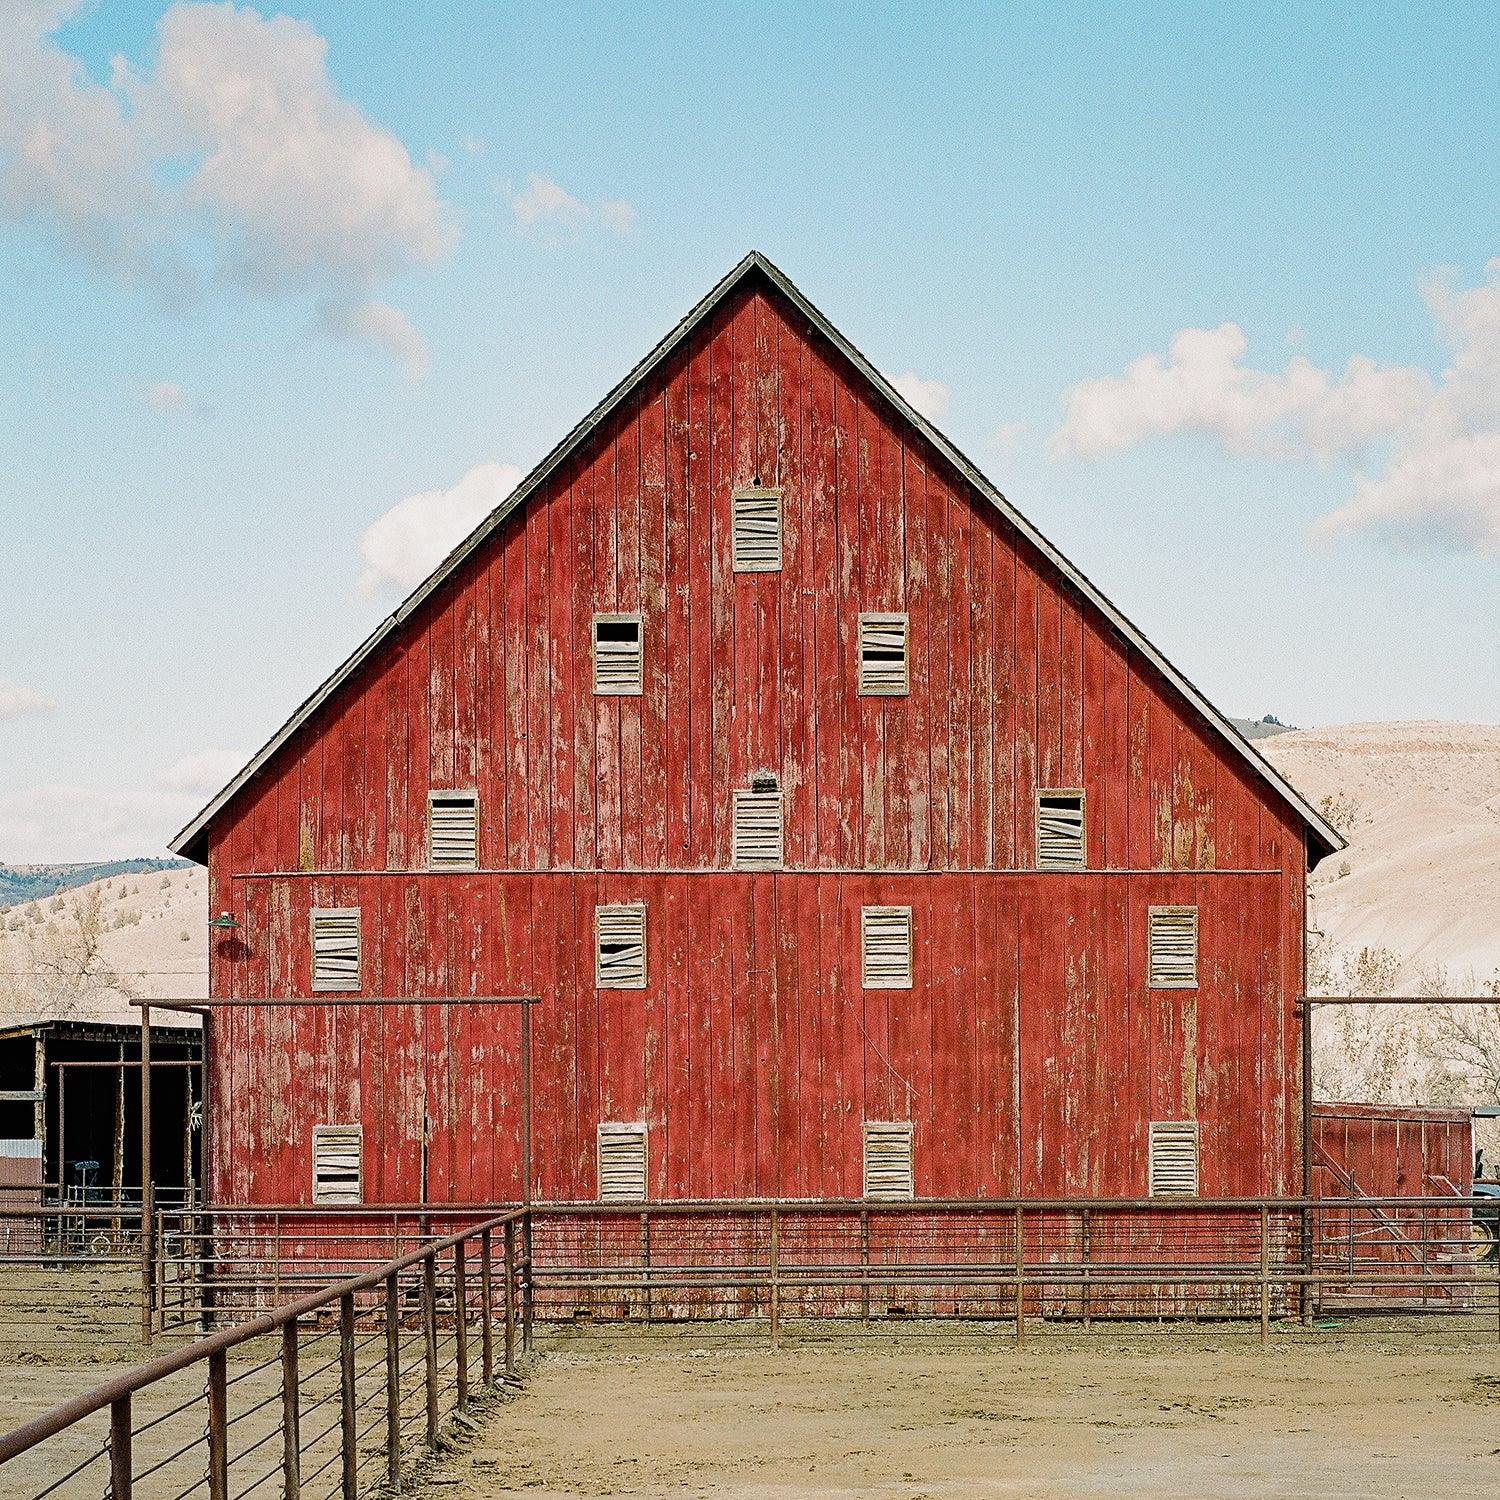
1485, 1240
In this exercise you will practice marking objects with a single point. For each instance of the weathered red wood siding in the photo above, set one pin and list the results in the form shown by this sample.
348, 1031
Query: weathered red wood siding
1030, 1049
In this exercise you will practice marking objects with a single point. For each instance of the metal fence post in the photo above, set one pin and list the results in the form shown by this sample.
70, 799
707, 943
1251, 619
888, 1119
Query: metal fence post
1020, 1276
528, 1295
291, 1414
486, 1297
1265, 1274
864, 1263
392, 1382
120, 1468
1088, 1256
218, 1426
429, 1337
510, 1297
775, 1279
349, 1438
461, 1325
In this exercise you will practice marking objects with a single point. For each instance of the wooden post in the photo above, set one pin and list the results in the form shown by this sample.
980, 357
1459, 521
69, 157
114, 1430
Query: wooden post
291, 1414
349, 1442
461, 1325
148, 1208
121, 1474
218, 1426
392, 1382
510, 1298
486, 1298
1020, 1276
429, 1338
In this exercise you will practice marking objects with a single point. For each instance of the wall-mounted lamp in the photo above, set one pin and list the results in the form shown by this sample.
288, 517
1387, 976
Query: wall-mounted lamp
225, 922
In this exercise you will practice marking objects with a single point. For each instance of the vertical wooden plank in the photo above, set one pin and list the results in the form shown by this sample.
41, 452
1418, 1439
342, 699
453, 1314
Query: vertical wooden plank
566, 687
677, 731
927, 653
654, 729
628, 597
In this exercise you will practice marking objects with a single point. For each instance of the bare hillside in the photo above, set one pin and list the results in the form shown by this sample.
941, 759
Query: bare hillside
83, 953
1420, 805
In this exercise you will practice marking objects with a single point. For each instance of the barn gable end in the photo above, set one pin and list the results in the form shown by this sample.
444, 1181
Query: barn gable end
879, 695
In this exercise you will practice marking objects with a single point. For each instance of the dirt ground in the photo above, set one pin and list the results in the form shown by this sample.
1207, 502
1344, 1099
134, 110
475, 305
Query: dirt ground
1173, 1417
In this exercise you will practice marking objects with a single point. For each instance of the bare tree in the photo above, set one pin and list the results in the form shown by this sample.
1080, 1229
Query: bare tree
65, 967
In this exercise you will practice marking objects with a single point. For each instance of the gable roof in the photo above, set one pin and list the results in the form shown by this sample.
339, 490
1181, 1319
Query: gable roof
192, 841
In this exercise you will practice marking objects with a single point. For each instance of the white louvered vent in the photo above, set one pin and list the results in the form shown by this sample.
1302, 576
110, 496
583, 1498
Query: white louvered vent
888, 1159
759, 829
756, 530
617, 655
622, 1163
335, 949
620, 947
1173, 1168
453, 830
337, 1152
885, 947
1173, 947
883, 669
1059, 830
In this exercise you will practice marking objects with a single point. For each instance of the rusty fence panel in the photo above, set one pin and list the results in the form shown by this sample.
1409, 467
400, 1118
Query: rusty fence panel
329, 1394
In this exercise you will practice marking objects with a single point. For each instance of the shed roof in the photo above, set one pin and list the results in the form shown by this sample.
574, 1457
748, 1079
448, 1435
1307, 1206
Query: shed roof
1322, 837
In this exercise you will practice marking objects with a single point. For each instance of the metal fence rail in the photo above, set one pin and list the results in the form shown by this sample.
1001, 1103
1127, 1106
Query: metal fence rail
327, 1394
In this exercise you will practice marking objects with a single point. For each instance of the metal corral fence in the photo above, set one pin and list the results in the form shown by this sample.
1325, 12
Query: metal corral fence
331, 1393
1236, 1263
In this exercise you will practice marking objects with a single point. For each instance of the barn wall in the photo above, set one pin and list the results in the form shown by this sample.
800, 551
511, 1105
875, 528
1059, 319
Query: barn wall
1033, 1047
1029, 1054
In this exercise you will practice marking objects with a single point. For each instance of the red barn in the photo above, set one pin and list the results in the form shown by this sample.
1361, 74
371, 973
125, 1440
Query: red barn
850, 839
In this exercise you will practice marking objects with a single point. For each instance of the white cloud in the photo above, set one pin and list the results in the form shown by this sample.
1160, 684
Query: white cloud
1433, 446
1202, 386
473, 144
203, 774
929, 397
417, 533
618, 215
542, 201
166, 396
379, 325
1006, 438
544, 207
233, 142
42, 824
15, 700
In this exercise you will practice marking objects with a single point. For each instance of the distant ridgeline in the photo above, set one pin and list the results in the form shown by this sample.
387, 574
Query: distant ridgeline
1259, 729
30, 882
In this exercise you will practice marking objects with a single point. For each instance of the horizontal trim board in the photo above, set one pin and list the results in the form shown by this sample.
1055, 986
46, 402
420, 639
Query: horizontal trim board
613, 871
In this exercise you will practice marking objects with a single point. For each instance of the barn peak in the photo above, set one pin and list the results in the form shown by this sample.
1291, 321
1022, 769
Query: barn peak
1322, 838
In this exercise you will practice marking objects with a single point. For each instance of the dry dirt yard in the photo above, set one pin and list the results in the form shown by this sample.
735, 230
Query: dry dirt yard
1175, 1417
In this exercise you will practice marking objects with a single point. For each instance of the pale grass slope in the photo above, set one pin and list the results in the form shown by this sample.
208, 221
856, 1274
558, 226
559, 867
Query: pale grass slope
154, 943
1423, 862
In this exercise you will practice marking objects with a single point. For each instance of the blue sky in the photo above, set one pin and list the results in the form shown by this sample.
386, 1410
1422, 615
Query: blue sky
254, 294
